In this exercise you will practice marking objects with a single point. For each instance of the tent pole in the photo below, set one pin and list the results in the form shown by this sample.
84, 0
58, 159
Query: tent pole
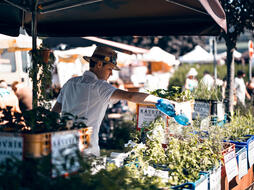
34, 48
214, 58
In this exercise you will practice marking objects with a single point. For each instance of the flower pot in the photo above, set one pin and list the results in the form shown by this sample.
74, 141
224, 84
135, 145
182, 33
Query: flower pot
44, 53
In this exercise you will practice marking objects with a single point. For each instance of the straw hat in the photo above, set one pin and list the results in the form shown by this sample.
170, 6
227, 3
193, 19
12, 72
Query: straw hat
192, 72
104, 54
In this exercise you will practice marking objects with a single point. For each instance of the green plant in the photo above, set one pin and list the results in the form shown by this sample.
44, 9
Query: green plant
38, 120
174, 93
185, 155
41, 75
203, 93
239, 127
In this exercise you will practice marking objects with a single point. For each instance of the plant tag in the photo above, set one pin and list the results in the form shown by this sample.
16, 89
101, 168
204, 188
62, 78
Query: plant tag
64, 158
148, 114
220, 111
203, 185
162, 174
231, 165
251, 153
185, 108
242, 164
215, 179
11, 146
149, 171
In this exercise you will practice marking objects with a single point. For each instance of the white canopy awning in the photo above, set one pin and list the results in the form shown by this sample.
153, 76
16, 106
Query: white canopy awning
197, 55
156, 54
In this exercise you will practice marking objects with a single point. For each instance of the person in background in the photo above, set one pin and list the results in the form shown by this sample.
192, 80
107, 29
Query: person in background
240, 88
24, 94
89, 95
207, 80
8, 98
191, 82
250, 87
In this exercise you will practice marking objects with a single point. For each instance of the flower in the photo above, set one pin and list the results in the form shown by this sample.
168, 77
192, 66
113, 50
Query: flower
107, 58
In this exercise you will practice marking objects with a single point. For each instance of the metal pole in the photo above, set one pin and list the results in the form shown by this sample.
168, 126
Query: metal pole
34, 48
214, 58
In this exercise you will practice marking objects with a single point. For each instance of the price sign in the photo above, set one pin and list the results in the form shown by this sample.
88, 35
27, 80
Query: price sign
147, 114
11, 147
64, 158
215, 179
242, 163
231, 165
251, 153
201, 110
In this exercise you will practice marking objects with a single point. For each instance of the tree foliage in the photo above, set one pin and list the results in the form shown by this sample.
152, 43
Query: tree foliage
240, 16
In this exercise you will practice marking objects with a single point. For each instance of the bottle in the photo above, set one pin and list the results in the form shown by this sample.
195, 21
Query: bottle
167, 108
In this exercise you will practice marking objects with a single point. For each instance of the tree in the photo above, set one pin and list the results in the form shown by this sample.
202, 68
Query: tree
240, 16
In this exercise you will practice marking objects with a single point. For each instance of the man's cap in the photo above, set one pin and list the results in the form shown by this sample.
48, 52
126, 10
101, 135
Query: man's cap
104, 54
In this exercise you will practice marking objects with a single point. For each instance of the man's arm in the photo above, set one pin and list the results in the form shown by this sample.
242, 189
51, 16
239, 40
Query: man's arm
136, 97
57, 107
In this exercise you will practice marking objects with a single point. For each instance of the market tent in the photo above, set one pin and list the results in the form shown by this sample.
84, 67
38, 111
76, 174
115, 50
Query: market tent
159, 60
197, 55
223, 55
114, 17
22, 42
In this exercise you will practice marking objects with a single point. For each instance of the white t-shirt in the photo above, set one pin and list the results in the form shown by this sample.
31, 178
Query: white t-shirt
88, 97
240, 89
208, 81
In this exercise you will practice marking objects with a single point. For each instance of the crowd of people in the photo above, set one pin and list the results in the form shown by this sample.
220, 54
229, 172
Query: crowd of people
242, 89
18, 96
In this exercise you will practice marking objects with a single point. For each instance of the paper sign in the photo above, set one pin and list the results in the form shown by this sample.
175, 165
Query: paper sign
242, 163
220, 111
203, 185
251, 153
185, 108
148, 114
65, 146
201, 110
215, 179
231, 165
11, 147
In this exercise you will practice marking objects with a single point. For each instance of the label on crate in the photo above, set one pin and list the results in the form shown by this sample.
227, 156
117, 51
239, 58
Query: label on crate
201, 110
215, 179
147, 114
65, 146
11, 147
242, 164
203, 185
251, 153
231, 165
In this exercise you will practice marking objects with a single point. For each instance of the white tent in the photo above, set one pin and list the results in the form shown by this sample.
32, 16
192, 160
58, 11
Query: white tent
223, 55
156, 54
22, 42
197, 55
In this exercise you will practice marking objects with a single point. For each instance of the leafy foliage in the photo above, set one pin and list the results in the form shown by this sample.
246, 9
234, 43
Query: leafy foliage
41, 75
38, 120
174, 94
203, 93
184, 156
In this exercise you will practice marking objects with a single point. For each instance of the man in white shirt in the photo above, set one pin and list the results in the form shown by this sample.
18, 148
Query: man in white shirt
240, 88
207, 80
89, 95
